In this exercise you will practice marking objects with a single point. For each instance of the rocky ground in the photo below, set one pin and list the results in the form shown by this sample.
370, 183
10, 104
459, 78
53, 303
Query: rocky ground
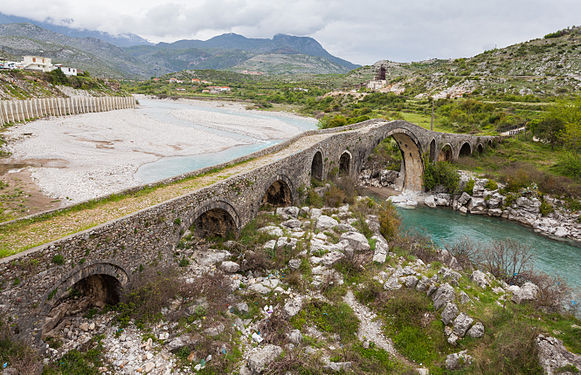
306, 290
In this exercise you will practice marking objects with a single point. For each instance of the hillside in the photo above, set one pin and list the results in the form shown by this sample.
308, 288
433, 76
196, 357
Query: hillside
540, 67
94, 55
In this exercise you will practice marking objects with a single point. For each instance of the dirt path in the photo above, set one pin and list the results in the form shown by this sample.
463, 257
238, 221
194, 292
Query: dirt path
372, 330
26, 234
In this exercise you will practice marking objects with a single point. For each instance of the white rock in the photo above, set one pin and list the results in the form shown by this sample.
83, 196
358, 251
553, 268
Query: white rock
356, 240
325, 222
476, 331
272, 231
458, 360
230, 267
430, 201
480, 278
381, 249
259, 358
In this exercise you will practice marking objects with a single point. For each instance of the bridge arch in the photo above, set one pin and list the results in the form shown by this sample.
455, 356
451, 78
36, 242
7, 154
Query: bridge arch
480, 148
465, 150
101, 282
412, 162
215, 218
433, 150
317, 166
345, 162
446, 153
279, 192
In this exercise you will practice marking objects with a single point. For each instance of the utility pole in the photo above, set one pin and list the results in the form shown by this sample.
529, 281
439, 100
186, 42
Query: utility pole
432, 119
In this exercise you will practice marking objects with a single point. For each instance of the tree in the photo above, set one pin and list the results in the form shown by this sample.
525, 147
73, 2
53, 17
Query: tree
550, 129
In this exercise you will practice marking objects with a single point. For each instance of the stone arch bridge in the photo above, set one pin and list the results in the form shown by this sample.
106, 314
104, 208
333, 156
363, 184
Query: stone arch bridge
101, 260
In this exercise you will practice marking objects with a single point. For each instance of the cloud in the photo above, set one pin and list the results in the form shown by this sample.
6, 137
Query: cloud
363, 31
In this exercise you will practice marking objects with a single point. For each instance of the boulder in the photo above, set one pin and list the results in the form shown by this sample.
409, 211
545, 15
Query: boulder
528, 292
495, 200
392, 284
476, 331
554, 356
291, 223
331, 258
259, 288
229, 267
381, 249
410, 281
241, 307
449, 313
288, 212
259, 358
325, 222
430, 201
478, 190
292, 306
458, 360
443, 199
271, 230
294, 264
295, 336
480, 278
464, 198
477, 205
461, 324
316, 213
270, 244
356, 240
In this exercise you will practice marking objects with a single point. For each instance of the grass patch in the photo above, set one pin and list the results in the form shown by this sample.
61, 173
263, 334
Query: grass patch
331, 318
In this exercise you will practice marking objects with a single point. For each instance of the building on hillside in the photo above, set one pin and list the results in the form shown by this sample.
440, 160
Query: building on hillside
196, 81
38, 63
9, 65
175, 80
65, 69
218, 89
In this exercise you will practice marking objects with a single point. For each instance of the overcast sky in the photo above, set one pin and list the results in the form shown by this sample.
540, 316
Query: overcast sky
361, 31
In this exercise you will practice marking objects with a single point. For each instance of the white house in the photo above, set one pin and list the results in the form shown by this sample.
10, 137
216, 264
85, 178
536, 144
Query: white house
43, 64
68, 71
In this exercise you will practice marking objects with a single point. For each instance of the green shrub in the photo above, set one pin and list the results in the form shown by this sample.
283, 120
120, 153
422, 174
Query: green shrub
569, 165
58, 259
546, 208
469, 187
441, 173
491, 185
389, 220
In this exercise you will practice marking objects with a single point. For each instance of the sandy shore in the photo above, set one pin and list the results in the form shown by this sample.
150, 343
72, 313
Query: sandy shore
98, 153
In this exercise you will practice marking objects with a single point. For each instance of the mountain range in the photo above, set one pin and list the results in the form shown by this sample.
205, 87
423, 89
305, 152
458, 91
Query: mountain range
130, 56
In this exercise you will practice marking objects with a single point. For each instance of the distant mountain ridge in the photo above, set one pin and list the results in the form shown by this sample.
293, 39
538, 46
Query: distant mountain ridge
121, 40
130, 56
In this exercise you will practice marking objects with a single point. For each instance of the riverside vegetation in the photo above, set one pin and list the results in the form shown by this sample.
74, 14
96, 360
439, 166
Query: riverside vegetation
331, 287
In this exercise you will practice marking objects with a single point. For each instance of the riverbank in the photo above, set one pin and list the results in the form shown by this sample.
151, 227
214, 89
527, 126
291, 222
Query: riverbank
95, 154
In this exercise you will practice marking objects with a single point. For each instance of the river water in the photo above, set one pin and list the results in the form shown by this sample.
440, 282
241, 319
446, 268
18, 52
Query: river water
447, 227
173, 166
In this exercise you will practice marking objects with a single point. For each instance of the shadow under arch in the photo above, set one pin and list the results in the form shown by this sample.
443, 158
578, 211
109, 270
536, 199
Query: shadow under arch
317, 166
465, 150
215, 218
433, 150
345, 162
101, 282
278, 192
446, 153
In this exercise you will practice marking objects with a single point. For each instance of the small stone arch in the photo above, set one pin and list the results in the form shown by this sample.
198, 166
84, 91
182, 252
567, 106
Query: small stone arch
446, 153
100, 282
216, 218
345, 164
317, 166
480, 148
465, 150
490, 143
279, 192
433, 150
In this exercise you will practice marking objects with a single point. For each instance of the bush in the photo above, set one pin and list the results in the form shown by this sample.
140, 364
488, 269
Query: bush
469, 187
569, 165
441, 173
508, 260
16, 353
491, 185
546, 208
389, 220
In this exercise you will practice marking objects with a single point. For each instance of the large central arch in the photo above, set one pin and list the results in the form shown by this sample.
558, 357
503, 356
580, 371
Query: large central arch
413, 166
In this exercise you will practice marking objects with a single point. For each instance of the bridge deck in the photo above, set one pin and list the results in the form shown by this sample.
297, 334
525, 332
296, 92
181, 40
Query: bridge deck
25, 234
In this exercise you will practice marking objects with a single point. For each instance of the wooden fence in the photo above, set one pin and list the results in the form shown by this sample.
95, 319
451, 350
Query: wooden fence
25, 110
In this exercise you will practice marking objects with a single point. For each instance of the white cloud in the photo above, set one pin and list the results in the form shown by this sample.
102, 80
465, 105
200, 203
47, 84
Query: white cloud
362, 31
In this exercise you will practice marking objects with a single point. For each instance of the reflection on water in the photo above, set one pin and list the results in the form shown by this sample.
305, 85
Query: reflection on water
446, 227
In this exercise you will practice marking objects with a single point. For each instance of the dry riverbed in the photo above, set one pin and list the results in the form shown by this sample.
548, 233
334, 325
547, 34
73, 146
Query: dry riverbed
64, 160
